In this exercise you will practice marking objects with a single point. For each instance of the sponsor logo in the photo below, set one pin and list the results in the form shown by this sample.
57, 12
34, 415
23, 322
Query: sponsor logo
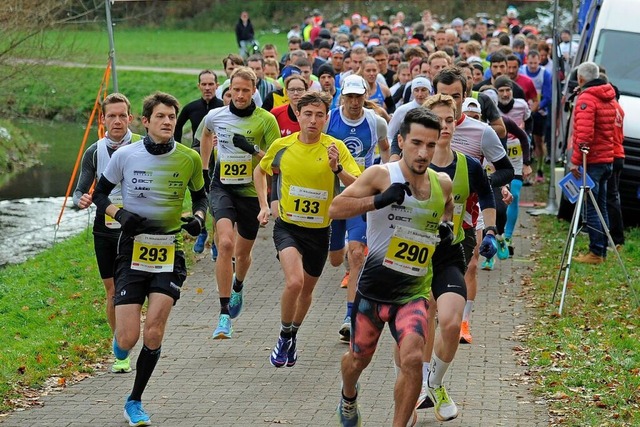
142, 173
173, 184
141, 196
141, 181
142, 188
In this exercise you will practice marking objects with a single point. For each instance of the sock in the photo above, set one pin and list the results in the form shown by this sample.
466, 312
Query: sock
285, 330
425, 371
144, 368
438, 369
349, 307
224, 305
237, 284
349, 399
294, 329
118, 352
466, 315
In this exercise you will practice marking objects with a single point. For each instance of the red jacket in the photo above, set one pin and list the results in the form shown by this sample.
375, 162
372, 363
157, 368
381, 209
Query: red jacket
594, 123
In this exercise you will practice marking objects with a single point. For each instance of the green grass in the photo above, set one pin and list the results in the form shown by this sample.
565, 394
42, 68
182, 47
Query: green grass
586, 363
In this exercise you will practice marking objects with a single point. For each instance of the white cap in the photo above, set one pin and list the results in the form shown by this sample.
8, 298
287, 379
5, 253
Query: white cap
354, 84
421, 82
471, 105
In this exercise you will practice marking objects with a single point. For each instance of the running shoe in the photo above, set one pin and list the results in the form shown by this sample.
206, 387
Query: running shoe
279, 354
121, 366
292, 353
345, 280
510, 247
488, 263
539, 176
345, 330
135, 414
214, 252
413, 420
503, 250
236, 301
198, 247
424, 401
465, 334
224, 329
444, 407
348, 413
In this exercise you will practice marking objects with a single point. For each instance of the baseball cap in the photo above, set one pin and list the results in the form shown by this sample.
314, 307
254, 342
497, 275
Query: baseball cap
338, 49
354, 84
289, 70
420, 82
457, 22
471, 105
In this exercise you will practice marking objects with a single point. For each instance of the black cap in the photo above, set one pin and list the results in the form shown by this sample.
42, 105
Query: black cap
326, 69
502, 81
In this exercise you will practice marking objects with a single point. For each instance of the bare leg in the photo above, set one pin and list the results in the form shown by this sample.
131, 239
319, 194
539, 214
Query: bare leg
409, 380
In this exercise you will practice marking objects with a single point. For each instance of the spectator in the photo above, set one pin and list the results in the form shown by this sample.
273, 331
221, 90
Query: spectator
244, 33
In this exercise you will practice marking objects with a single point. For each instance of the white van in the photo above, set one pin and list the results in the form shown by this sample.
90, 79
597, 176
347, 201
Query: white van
615, 45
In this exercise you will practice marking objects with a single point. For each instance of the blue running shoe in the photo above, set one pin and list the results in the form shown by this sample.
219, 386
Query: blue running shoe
135, 415
224, 329
348, 414
292, 353
198, 247
214, 252
503, 250
279, 356
488, 263
235, 302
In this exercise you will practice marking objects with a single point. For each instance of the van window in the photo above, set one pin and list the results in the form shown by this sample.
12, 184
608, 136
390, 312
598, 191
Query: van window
618, 53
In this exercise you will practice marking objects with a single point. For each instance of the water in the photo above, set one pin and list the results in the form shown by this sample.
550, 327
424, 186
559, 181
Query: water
31, 201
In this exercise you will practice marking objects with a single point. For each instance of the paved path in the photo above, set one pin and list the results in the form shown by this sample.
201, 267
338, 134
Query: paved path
202, 382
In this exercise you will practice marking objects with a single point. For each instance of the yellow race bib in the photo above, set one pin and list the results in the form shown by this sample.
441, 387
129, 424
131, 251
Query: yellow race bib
153, 253
235, 168
306, 205
514, 150
108, 221
410, 251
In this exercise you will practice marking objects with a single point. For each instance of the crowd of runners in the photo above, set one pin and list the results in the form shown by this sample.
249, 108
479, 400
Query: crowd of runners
395, 150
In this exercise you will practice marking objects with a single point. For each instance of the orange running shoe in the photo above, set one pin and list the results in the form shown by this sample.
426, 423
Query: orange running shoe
465, 335
345, 280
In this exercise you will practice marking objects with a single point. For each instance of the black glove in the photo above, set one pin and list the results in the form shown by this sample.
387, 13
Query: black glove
207, 180
394, 194
489, 246
241, 142
445, 230
192, 224
129, 221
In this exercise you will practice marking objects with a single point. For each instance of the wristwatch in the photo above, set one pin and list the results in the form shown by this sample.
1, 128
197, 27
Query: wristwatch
490, 228
337, 171
257, 149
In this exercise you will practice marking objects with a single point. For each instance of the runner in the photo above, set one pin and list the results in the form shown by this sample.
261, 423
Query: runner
150, 262
116, 115
361, 129
243, 132
404, 202
308, 164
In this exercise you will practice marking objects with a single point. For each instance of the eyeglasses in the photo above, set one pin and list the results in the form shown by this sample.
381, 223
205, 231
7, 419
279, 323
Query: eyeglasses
296, 90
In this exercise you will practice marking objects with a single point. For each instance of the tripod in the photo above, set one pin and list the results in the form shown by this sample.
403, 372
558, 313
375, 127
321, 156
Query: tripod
581, 208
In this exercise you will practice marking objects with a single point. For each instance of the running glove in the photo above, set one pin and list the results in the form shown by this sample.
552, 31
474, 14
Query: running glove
130, 222
445, 230
394, 194
241, 142
192, 224
489, 246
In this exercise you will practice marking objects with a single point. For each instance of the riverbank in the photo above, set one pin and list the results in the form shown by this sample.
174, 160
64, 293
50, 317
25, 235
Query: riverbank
17, 151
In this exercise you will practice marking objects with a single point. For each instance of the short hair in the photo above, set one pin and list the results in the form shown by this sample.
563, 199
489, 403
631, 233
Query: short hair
302, 62
588, 71
420, 116
295, 40
414, 51
359, 50
295, 77
513, 57
245, 73
518, 42
533, 52
155, 99
497, 57
439, 99
273, 63
255, 58
116, 98
298, 53
504, 39
439, 54
203, 72
236, 59
544, 46
269, 46
473, 48
314, 98
379, 50
384, 27
449, 76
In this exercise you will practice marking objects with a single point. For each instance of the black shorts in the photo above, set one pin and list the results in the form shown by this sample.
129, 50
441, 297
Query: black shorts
242, 211
469, 244
106, 251
312, 243
133, 286
539, 124
449, 267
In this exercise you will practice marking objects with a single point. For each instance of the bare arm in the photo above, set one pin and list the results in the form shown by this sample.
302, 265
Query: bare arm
260, 182
206, 146
498, 127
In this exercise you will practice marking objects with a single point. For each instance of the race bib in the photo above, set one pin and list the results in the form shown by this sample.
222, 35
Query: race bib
153, 253
410, 251
514, 150
458, 212
235, 168
306, 205
360, 161
108, 221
